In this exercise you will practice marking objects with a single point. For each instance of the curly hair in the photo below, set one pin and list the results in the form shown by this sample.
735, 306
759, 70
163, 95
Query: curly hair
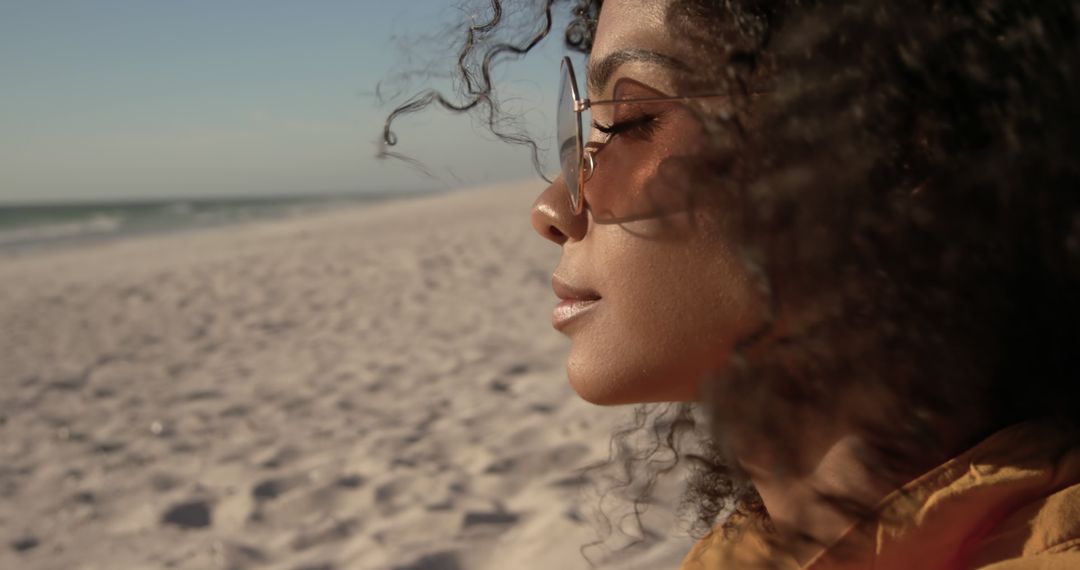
911, 189
910, 186
914, 188
660, 438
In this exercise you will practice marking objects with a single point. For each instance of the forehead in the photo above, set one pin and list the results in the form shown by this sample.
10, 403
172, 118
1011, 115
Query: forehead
637, 25
632, 23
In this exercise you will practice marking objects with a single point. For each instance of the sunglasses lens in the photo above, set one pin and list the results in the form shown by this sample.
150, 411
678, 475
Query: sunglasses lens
569, 136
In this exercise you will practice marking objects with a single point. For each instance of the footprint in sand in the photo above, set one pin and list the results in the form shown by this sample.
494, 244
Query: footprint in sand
190, 514
269, 489
351, 481
495, 518
445, 560
25, 543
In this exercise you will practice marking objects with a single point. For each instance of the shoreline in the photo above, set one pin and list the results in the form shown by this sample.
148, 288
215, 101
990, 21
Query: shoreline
60, 234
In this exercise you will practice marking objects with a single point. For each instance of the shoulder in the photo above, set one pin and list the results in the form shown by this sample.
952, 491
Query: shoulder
741, 549
1044, 534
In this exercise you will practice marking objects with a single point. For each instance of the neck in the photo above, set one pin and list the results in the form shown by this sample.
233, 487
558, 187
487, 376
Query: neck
812, 509
830, 479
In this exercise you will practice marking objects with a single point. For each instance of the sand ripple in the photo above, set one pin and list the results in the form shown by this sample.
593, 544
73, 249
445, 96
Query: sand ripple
373, 388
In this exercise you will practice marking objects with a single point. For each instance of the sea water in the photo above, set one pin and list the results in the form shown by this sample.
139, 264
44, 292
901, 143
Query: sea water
31, 226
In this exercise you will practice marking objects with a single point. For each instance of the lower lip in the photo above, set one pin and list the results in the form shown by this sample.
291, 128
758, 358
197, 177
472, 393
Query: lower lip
570, 310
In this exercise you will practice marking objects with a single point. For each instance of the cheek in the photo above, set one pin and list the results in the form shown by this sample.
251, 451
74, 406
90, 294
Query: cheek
623, 187
669, 315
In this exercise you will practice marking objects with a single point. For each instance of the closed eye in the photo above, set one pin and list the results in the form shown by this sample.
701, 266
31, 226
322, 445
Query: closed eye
641, 127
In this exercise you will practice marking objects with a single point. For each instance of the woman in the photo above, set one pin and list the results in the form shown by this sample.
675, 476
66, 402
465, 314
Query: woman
852, 231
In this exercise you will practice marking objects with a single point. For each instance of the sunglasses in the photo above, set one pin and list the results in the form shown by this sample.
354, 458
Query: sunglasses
578, 162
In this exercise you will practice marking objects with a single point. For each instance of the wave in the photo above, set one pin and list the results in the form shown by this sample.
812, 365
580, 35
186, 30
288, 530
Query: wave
94, 226
28, 226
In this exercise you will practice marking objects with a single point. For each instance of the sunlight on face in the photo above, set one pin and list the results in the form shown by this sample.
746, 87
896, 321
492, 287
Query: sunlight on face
653, 304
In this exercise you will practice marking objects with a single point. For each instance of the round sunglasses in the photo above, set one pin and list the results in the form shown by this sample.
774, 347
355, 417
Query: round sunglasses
578, 162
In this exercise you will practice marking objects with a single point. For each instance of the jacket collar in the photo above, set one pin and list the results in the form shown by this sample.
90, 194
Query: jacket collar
941, 519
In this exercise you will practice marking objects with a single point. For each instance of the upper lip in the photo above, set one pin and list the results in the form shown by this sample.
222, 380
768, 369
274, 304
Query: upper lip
567, 292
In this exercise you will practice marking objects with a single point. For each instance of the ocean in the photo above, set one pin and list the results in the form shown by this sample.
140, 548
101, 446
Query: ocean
32, 226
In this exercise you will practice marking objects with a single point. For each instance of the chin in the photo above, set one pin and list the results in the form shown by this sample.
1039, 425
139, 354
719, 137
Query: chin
588, 391
606, 387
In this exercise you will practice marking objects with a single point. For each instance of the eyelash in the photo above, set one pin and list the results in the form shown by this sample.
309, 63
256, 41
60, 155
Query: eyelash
638, 127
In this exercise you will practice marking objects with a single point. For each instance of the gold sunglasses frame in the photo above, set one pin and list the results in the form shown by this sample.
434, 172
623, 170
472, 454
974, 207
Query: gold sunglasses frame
585, 155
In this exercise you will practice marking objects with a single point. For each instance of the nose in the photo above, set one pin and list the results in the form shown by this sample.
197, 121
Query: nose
554, 219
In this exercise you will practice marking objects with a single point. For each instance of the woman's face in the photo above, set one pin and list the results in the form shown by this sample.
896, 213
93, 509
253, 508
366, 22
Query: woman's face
654, 296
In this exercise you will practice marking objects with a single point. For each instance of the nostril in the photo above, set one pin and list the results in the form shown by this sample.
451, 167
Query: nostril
552, 219
556, 235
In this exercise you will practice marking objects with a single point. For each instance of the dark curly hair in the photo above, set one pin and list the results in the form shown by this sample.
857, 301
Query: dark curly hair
911, 185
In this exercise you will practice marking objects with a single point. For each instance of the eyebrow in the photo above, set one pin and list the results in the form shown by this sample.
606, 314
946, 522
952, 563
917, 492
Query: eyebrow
600, 72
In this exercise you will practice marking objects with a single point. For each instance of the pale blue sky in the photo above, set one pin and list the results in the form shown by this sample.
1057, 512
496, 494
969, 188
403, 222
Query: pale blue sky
107, 99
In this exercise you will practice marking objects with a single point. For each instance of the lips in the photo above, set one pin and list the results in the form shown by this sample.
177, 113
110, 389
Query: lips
575, 301
567, 292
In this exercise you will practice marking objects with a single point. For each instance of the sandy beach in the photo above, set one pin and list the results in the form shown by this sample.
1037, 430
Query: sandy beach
371, 388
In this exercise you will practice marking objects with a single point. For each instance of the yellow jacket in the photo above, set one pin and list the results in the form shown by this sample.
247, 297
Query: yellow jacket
1010, 503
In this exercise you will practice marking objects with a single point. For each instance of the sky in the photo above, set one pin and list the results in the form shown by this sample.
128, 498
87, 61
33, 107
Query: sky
147, 99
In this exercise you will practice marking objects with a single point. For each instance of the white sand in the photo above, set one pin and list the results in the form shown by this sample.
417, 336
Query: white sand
372, 388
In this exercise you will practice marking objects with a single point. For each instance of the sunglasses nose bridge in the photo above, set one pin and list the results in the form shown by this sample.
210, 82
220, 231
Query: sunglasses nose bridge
589, 163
